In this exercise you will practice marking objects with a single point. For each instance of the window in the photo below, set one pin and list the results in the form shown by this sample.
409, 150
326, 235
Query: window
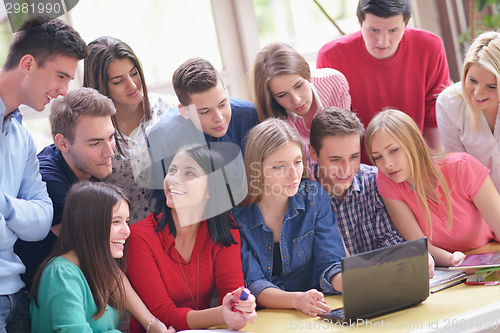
5, 34
301, 24
162, 33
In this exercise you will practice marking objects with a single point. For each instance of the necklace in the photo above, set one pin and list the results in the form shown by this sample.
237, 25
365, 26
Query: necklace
197, 279
274, 218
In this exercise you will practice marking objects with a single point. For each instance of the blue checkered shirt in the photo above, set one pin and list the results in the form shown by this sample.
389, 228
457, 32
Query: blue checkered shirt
362, 218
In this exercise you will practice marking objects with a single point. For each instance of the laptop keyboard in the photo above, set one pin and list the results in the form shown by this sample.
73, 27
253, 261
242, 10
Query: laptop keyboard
338, 312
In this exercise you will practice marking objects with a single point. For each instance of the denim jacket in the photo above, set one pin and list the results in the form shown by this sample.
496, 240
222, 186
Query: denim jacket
310, 244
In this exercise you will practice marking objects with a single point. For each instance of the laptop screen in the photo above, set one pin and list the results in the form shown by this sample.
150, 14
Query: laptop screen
385, 280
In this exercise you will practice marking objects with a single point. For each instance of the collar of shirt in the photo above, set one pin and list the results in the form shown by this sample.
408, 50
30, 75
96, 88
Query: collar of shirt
16, 114
94, 179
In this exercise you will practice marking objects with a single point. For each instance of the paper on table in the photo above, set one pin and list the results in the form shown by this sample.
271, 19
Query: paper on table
443, 275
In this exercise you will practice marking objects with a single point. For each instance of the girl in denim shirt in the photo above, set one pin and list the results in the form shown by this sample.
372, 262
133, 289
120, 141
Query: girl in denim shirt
290, 242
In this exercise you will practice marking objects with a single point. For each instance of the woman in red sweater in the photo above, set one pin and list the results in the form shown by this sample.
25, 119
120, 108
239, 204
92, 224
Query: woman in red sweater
179, 257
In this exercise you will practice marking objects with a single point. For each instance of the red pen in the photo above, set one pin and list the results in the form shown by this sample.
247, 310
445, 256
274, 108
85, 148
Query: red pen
482, 283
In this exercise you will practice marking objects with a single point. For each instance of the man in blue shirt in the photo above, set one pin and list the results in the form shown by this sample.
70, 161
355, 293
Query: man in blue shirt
207, 116
41, 61
362, 218
83, 146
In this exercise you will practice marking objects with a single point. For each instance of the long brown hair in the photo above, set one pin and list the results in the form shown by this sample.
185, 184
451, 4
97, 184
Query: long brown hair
274, 59
103, 51
86, 225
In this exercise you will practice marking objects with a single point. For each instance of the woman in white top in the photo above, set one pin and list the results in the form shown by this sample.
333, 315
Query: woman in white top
467, 112
113, 69
283, 86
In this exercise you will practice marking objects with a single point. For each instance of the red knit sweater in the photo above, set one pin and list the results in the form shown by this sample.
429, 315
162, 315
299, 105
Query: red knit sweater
155, 273
409, 81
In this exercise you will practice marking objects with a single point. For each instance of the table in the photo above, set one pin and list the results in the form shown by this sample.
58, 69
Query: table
458, 309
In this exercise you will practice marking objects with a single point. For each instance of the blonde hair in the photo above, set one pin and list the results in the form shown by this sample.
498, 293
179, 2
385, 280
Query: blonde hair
484, 52
263, 140
420, 156
274, 59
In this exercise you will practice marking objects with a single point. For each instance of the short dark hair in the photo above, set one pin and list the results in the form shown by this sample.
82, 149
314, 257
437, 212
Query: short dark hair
334, 122
45, 38
67, 111
384, 9
219, 225
194, 76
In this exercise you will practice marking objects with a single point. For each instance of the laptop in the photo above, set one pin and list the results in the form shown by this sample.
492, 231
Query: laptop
383, 281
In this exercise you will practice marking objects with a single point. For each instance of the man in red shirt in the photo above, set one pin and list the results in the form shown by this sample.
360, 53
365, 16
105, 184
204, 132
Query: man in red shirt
388, 64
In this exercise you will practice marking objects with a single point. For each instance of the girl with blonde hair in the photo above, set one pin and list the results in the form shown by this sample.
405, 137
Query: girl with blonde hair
467, 112
282, 86
449, 198
290, 242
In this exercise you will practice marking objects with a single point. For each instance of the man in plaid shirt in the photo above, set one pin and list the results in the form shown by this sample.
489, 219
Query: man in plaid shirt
362, 218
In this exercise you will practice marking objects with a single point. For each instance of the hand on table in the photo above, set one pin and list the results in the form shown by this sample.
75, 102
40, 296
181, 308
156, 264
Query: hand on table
457, 258
312, 302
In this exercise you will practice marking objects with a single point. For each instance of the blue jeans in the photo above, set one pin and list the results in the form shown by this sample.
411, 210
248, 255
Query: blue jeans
15, 313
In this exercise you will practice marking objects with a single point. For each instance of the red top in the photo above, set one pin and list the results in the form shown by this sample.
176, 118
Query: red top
155, 273
409, 81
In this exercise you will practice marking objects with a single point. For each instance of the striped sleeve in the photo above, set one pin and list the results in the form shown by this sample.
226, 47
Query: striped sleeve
332, 88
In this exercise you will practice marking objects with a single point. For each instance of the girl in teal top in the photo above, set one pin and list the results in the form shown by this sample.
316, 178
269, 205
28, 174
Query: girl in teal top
81, 287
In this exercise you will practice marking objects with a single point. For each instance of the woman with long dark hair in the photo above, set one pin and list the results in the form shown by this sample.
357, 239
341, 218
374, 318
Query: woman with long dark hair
113, 69
179, 257
81, 286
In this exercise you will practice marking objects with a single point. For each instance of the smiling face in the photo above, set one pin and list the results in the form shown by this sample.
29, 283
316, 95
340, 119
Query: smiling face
481, 86
44, 83
119, 228
282, 171
390, 157
382, 35
292, 92
186, 183
125, 85
338, 162
212, 112
92, 148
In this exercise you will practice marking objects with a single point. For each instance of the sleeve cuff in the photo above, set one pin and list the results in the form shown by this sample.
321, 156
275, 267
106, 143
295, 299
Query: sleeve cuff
324, 282
430, 122
259, 285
